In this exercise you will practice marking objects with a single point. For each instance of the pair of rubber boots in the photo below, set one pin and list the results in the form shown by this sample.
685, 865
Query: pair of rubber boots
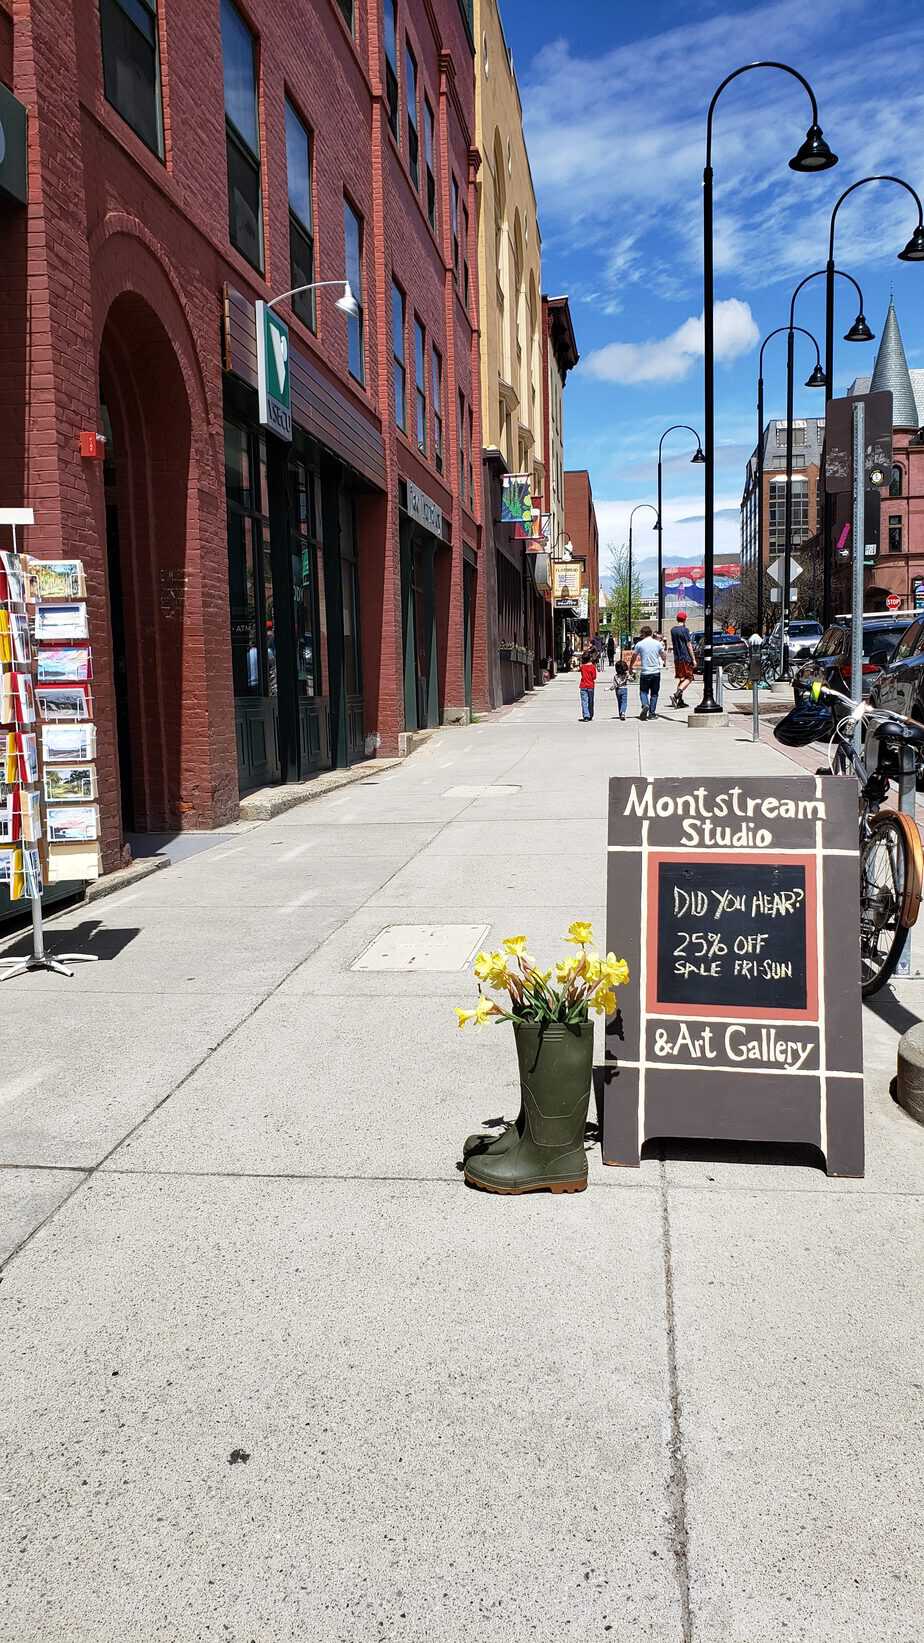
543, 1150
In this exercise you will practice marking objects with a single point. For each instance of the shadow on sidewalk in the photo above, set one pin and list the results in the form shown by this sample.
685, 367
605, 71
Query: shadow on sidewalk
892, 1011
91, 937
790, 1154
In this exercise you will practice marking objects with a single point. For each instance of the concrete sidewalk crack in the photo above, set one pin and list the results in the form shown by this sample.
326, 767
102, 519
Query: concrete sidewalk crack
677, 1482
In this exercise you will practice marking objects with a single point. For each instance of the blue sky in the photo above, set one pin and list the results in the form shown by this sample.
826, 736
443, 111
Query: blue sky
615, 95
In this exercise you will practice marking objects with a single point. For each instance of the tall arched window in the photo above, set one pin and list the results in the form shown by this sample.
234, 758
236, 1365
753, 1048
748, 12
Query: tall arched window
895, 483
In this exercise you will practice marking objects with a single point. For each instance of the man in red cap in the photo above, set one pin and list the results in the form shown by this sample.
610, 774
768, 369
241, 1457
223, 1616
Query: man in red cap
684, 658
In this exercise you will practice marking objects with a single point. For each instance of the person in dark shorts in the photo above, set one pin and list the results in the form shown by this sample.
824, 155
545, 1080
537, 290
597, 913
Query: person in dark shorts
684, 658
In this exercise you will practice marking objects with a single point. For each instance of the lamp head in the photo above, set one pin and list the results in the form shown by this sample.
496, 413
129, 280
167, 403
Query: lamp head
814, 155
699, 455
918, 438
817, 379
859, 331
914, 250
347, 303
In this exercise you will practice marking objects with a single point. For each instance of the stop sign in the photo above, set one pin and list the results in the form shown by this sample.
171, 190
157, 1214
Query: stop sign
892, 601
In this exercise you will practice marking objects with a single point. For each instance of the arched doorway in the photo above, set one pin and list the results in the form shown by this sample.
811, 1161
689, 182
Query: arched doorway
146, 418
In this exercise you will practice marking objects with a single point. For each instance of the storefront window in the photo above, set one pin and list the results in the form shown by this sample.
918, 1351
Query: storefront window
305, 580
352, 668
253, 650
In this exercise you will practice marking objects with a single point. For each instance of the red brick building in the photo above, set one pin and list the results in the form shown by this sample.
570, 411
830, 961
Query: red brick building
581, 530
259, 608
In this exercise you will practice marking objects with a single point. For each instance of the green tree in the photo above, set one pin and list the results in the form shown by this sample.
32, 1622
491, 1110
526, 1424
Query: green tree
624, 610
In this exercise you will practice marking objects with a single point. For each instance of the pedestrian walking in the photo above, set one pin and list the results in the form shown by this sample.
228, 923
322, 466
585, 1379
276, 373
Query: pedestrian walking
611, 650
684, 658
648, 655
588, 677
621, 686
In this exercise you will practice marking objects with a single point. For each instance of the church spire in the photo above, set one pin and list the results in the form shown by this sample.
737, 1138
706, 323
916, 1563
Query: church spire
891, 372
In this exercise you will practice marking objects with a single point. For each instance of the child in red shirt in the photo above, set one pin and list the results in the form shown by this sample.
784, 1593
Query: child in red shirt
588, 683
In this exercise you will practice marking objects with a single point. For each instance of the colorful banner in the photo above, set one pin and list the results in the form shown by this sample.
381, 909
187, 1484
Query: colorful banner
688, 579
566, 579
516, 500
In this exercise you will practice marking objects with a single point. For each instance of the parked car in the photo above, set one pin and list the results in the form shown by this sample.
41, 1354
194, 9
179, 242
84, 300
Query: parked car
804, 634
726, 647
830, 661
900, 685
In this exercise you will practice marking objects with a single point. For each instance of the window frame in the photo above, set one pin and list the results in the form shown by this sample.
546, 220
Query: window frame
390, 56
454, 224
461, 446
896, 480
410, 109
420, 385
436, 380
429, 161
399, 360
355, 323
235, 139
303, 305
106, 7
347, 12
896, 531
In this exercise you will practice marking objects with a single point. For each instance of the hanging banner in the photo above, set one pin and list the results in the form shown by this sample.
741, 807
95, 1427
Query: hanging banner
516, 500
566, 580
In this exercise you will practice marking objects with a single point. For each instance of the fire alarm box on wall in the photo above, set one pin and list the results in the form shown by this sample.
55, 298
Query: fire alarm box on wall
92, 445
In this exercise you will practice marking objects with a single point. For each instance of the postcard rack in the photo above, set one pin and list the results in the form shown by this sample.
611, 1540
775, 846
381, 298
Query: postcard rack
49, 820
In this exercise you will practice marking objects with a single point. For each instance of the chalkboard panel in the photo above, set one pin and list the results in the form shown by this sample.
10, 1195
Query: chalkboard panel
731, 935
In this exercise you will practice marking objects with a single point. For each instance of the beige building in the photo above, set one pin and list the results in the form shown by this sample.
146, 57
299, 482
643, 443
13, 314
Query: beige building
509, 258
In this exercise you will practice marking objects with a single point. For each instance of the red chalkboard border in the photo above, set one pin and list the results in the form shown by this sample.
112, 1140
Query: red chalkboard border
762, 858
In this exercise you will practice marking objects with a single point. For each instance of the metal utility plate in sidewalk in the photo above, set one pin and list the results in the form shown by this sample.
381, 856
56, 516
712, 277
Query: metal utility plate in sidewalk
499, 790
423, 947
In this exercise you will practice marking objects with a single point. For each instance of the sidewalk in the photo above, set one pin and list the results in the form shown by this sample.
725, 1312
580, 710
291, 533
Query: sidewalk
271, 1372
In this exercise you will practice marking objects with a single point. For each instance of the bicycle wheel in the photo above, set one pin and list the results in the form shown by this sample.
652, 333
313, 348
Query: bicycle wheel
771, 672
891, 871
736, 675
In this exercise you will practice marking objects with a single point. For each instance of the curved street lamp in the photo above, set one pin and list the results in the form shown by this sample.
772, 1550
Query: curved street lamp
635, 510
813, 155
347, 303
816, 380
698, 456
912, 252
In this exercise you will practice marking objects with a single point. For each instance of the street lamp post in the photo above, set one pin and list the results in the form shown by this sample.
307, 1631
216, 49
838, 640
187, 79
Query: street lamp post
816, 380
698, 456
813, 155
347, 303
912, 252
632, 515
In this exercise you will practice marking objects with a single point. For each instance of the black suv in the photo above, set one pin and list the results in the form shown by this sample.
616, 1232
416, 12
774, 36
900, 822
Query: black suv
830, 660
900, 685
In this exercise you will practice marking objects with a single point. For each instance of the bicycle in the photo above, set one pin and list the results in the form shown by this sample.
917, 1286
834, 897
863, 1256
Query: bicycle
738, 674
891, 854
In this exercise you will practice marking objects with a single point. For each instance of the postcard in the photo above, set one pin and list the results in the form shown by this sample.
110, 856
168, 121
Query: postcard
59, 662
11, 872
61, 621
63, 701
65, 782
22, 644
69, 863
7, 699
30, 814
72, 824
56, 578
9, 815
21, 763
6, 641
12, 588
66, 743
25, 698
32, 872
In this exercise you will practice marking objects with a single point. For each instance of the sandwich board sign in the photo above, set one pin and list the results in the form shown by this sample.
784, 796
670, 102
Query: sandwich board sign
736, 903
274, 391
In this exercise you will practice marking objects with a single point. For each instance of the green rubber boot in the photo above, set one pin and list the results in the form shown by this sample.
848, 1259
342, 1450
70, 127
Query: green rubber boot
499, 1141
548, 1155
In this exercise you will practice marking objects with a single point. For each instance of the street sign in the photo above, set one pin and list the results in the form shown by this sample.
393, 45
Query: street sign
893, 602
776, 570
838, 435
741, 1018
274, 392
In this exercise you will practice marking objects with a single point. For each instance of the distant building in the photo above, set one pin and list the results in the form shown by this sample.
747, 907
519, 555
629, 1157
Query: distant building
900, 565
808, 439
581, 529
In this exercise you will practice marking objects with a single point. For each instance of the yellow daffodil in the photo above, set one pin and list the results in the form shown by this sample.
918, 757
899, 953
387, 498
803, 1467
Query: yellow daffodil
515, 946
603, 1001
614, 971
484, 1010
566, 970
590, 968
580, 933
464, 1015
482, 966
498, 973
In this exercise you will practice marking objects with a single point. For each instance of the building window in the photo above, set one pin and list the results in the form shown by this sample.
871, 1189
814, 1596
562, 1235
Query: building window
398, 370
895, 481
346, 6
462, 421
465, 256
455, 227
301, 237
437, 382
253, 665
777, 513
245, 225
429, 163
471, 468
410, 94
353, 249
895, 533
391, 63
131, 67
798, 436
420, 379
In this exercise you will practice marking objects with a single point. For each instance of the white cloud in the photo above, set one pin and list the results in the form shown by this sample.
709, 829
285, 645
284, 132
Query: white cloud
670, 358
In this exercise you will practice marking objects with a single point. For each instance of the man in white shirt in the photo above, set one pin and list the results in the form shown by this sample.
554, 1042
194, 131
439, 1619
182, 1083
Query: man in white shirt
648, 654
